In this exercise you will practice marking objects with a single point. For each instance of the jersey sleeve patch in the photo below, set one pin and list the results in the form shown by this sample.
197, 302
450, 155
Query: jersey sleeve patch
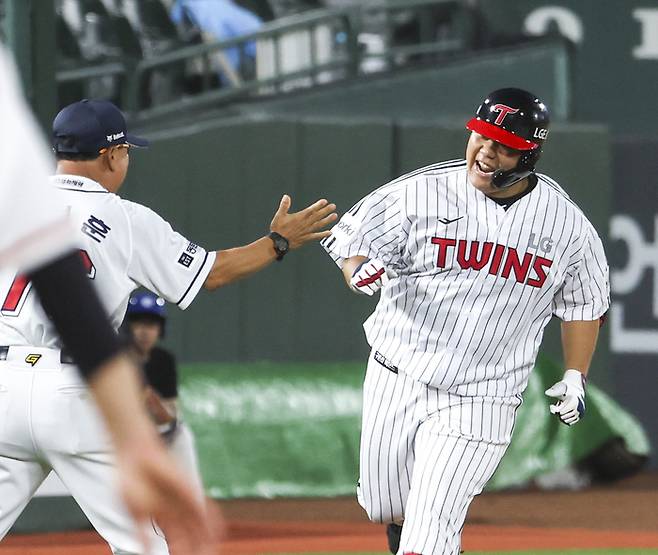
198, 281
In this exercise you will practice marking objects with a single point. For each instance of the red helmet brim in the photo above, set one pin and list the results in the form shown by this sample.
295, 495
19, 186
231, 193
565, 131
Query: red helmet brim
500, 135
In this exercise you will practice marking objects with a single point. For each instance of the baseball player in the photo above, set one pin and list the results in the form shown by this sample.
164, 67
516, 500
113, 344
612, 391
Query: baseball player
122, 245
38, 239
473, 257
146, 320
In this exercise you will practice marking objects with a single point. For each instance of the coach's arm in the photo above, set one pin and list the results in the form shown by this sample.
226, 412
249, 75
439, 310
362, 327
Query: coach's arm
298, 228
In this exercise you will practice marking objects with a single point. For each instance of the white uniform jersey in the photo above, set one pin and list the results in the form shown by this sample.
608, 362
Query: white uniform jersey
476, 284
34, 226
123, 245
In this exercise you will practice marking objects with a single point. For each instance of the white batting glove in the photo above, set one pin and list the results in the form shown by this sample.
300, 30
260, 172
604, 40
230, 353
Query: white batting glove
571, 394
369, 277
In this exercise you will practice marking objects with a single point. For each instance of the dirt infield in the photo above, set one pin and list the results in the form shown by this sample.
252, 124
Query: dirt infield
624, 516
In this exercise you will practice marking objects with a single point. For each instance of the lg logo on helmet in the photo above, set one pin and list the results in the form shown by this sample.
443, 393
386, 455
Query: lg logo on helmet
540, 133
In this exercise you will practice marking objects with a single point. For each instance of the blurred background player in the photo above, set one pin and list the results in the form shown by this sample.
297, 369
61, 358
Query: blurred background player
145, 323
38, 240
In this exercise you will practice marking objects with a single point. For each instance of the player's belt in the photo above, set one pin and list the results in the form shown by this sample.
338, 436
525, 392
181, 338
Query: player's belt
385, 362
64, 357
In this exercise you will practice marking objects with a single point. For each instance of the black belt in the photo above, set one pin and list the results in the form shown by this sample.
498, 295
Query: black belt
385, 362
64, 357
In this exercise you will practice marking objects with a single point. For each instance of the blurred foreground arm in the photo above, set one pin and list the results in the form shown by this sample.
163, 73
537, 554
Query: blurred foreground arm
151, 484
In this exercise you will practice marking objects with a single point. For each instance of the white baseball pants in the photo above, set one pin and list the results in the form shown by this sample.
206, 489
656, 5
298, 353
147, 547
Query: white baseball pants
48, 420
425, 454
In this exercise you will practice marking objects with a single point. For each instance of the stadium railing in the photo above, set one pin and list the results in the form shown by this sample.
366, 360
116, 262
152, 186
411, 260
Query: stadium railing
305, 50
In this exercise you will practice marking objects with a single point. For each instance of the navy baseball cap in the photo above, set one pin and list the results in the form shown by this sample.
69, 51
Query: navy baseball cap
89, 126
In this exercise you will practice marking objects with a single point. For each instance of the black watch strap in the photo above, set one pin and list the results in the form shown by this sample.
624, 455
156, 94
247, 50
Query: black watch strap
281, 244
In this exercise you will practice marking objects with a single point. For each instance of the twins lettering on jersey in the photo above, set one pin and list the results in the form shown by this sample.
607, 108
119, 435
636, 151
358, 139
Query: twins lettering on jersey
499, 260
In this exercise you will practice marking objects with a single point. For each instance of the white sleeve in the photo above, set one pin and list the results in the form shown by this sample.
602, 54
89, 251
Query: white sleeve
371, 228
164, 261
585, 292
35, 224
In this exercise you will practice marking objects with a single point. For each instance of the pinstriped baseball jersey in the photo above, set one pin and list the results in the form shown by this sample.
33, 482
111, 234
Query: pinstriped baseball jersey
123, 245
476, 283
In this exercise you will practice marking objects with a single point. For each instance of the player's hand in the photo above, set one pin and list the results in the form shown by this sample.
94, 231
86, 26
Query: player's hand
305, 225
570, 392
153, 487
369, 277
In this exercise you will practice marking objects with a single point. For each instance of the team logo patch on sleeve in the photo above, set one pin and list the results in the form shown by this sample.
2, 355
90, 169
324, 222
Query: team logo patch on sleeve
185, 260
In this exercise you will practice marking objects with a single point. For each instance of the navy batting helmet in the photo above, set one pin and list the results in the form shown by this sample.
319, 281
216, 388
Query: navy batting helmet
518, 120
147, 305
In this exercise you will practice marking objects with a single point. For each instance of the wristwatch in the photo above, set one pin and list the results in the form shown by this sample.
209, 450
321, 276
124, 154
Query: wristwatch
281, 245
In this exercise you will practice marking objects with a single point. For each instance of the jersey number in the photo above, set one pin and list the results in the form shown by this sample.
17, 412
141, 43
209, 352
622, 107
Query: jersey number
20, 288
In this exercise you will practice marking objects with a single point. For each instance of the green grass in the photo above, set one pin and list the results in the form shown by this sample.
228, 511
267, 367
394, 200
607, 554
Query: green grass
533, 552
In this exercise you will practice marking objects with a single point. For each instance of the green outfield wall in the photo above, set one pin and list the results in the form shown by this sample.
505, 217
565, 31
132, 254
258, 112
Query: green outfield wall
290, 430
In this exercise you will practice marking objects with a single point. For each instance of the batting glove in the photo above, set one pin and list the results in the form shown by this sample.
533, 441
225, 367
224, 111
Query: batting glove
570, 392
369, 277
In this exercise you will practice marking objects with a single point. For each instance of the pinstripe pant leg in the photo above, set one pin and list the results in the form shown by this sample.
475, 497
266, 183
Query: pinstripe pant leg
390, 420
457, 452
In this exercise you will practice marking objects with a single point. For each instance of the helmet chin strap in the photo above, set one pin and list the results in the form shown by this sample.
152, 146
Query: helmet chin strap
501, 179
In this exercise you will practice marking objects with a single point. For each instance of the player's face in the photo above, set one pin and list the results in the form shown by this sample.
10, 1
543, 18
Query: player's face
483, 157
145, 334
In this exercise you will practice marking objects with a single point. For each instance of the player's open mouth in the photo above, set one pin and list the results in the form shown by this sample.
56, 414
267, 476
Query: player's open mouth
484, 169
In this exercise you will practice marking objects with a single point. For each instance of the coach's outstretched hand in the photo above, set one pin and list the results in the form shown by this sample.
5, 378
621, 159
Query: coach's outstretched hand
297, 228
305, 225
570, 391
